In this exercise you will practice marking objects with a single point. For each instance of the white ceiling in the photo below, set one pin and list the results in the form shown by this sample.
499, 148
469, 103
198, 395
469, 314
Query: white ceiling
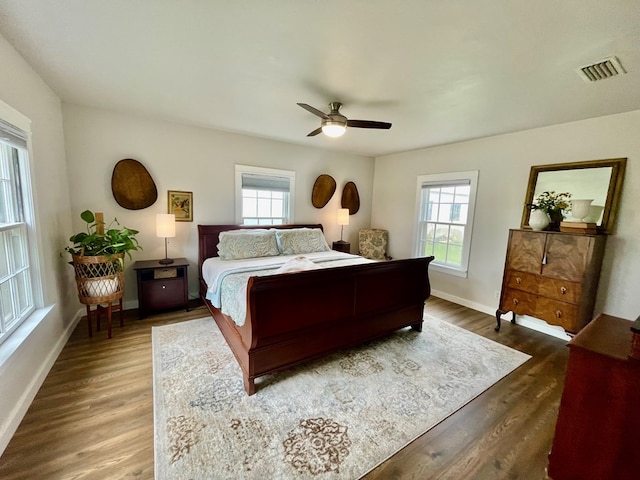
440, 71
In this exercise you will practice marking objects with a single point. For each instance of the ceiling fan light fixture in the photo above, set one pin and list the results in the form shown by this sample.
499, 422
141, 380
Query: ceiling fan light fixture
333, 129
334, 124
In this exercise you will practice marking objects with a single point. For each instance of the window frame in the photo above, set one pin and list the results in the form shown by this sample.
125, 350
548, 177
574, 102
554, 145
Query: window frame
267, 172
452, 178
19, 127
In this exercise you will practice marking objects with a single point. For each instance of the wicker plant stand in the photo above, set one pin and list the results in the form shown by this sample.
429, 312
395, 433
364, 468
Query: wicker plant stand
100, 282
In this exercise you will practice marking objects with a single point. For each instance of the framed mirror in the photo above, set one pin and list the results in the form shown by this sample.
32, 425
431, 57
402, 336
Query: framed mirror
600, 180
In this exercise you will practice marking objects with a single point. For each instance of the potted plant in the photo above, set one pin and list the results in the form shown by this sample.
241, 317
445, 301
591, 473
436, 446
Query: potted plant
98, 257
552, 204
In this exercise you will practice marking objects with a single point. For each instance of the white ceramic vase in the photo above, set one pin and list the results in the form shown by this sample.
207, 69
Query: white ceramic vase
580, 209
538, 219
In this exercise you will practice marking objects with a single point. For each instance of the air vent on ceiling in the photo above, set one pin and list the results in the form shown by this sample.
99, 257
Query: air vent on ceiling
606, 68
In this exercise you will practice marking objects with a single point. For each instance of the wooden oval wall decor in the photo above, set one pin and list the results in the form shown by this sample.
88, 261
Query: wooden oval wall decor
350, 198
132, 185
323, 190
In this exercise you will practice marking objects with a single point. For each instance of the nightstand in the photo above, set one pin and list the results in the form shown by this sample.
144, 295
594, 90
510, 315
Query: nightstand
162, 287
342, 246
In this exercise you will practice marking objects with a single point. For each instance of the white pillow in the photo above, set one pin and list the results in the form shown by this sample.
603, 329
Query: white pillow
301, 240
239, 244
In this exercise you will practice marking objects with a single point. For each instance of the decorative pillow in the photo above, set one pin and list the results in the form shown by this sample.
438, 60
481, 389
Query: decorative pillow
301, 240
373, 243
238, 244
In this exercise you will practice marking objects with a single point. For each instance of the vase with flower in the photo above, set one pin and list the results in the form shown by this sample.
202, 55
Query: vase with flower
553, 205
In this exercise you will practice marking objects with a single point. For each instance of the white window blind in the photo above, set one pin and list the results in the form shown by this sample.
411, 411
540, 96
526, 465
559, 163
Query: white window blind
264, 196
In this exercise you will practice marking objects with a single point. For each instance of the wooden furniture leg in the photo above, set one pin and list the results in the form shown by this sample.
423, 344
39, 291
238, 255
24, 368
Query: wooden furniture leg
109, 309
89, 321
499, 314
249, 385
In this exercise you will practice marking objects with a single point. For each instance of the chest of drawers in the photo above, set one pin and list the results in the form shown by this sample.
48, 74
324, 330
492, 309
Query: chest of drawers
599, 420
552, 276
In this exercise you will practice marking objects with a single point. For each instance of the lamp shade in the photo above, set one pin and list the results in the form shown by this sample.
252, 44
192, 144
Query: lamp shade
343, 216
165, 225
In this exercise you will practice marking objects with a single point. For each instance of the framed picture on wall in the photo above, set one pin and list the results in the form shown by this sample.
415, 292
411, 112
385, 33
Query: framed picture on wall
181, 205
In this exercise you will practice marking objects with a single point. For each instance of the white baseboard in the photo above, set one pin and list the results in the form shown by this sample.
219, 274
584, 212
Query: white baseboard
524, 320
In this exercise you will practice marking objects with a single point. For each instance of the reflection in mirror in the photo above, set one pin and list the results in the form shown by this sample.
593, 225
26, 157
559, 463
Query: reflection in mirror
597, 180
587, 183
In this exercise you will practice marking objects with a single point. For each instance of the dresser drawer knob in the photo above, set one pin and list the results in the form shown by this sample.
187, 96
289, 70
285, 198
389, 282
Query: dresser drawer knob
164, 286
563, 290
558, 314
515, 301
518, 280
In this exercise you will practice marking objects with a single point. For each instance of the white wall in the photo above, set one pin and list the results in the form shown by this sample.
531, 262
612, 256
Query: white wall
181, 157
503, 163
24, 365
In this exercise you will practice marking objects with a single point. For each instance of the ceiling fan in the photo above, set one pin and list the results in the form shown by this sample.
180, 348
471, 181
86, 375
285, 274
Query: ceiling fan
334, 123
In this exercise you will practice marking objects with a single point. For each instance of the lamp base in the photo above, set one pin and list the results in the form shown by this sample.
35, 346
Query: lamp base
165, 261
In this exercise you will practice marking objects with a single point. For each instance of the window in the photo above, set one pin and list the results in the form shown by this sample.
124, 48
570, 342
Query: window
264, 196
445, 218
16, 291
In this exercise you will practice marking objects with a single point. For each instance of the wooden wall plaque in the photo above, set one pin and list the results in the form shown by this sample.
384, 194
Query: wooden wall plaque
323, 189
351, 198
132, 185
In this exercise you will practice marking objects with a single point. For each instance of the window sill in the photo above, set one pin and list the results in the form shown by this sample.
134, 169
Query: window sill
11, 345
449, 270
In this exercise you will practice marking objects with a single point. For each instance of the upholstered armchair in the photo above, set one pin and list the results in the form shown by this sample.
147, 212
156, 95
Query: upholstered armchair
372, 243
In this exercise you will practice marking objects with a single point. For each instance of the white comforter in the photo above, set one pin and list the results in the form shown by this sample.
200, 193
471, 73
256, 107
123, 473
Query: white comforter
215, 270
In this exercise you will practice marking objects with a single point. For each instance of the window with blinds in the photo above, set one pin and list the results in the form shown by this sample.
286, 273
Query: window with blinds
16, 292
264, 196
445, 219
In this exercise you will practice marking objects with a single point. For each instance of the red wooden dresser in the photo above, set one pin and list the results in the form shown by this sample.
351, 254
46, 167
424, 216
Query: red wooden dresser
598, 423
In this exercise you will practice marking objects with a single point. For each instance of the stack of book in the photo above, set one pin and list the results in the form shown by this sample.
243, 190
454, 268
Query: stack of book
578, 227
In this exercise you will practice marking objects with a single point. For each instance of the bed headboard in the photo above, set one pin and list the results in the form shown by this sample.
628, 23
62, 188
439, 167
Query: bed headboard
208, 237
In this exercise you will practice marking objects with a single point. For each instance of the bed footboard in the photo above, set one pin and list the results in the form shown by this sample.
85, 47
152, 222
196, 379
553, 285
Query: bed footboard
293, 318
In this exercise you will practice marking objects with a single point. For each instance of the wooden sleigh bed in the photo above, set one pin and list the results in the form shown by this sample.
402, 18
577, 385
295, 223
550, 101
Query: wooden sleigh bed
294, 317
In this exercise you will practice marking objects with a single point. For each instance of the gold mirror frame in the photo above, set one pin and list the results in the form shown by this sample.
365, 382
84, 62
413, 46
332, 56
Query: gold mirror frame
614, 189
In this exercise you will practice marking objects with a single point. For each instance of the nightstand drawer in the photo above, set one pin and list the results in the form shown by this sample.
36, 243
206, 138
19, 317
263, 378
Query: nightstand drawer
165, 273
165, 293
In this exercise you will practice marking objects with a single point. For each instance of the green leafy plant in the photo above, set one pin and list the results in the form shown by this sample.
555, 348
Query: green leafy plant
550, 202
111, 242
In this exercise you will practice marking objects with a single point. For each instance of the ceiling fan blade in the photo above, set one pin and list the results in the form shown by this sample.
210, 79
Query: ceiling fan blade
313, 110
368, 124
315, 132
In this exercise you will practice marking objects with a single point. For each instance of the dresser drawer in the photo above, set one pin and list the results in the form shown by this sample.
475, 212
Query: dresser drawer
562, 290
526, 282
520, 303
555, 312
551, 311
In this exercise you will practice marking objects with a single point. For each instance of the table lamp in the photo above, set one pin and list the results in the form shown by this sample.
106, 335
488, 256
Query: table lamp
343, 219
165, 227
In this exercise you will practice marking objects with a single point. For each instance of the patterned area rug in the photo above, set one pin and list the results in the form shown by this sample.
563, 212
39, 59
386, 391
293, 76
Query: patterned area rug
336, 418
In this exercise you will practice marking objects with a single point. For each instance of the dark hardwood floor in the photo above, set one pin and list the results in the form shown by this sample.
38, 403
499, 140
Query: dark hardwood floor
93, 416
